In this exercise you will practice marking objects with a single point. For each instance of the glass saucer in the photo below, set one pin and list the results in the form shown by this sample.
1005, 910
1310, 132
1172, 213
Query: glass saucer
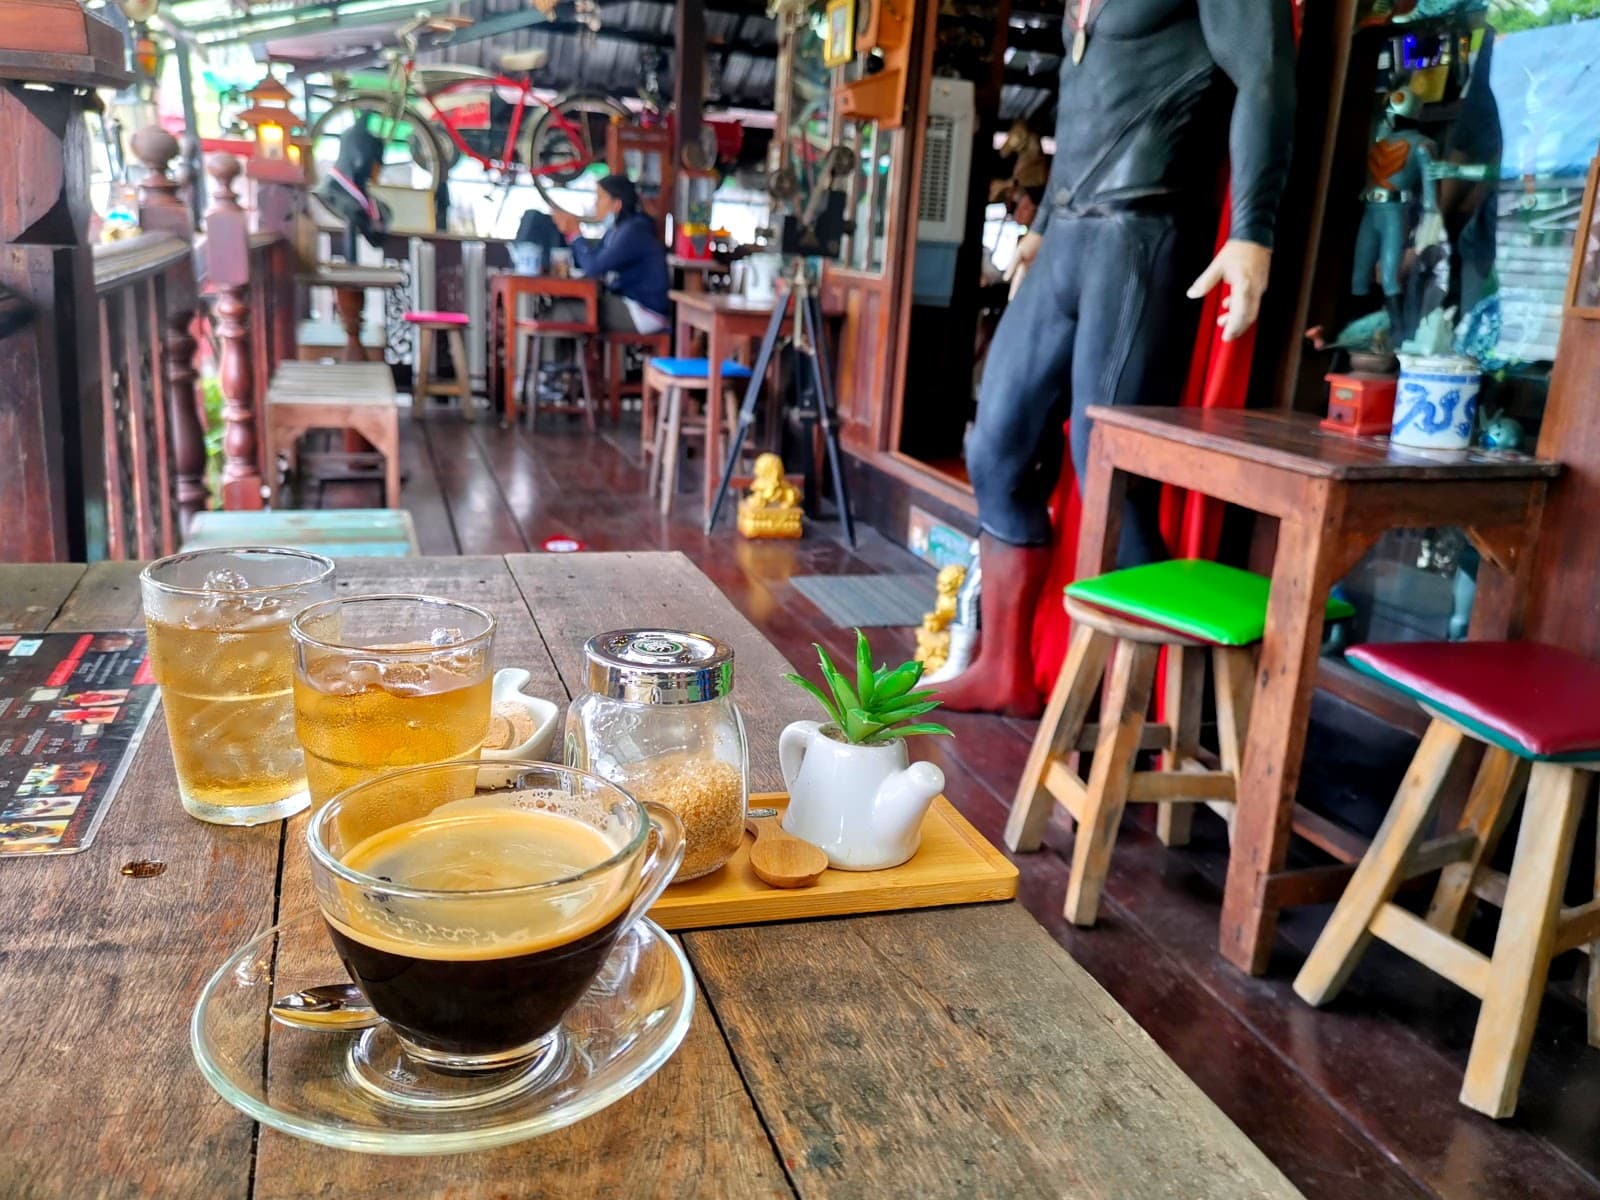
354, 1090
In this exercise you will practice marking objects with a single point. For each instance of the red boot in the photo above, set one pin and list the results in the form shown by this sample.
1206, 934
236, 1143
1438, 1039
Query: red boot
1000, 679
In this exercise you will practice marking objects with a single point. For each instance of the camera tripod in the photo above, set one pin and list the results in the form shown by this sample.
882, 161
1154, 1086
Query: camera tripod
810, 343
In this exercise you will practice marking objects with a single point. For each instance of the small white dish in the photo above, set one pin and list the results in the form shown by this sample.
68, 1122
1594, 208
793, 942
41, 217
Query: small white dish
507, 689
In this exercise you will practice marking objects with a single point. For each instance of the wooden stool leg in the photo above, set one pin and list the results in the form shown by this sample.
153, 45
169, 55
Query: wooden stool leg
1234, 682
1500, 780
1345, 937
1183, 692
458, 355
617, 364
585, 361
1593, 964
647, 415
669, 448
420, 367
1127, 698
658, 441
1058, 734
1523, 944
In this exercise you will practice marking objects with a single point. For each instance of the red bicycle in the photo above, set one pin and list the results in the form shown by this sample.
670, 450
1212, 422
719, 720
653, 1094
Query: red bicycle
429, 118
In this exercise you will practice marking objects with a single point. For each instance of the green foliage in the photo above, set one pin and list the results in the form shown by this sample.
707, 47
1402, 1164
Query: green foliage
880, 707
211, 399
1510, 16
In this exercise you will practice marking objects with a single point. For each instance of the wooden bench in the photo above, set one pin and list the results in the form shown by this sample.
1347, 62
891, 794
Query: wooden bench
348, 396
337, 532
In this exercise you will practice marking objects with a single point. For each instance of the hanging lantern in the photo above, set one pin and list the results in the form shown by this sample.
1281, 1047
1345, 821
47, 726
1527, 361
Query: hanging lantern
270, 119
274, 127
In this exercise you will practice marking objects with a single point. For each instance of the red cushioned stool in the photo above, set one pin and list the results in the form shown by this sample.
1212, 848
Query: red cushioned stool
429, 325
1534, 708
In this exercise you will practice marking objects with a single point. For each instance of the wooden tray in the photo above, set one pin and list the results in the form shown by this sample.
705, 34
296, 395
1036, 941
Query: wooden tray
953, 866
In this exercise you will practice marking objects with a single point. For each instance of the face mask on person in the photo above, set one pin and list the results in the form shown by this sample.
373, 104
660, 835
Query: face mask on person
609, 221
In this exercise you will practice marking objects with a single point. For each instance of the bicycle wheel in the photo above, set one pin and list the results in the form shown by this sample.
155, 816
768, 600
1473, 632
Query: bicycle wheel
411, 154
557, 150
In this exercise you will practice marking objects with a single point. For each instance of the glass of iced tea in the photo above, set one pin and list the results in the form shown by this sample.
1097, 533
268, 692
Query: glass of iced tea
389, 681
220, 649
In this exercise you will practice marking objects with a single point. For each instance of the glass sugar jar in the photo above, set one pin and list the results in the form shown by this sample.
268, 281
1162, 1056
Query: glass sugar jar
659, 720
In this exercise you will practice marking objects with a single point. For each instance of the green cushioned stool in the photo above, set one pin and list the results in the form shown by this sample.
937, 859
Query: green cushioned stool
1212, 603
1193, 610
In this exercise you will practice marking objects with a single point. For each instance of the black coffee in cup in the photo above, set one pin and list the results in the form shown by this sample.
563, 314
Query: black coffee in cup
487, 969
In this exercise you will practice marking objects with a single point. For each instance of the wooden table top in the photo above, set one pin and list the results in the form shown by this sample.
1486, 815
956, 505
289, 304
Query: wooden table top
351, 275
711, 266
947, 1052
1295, 442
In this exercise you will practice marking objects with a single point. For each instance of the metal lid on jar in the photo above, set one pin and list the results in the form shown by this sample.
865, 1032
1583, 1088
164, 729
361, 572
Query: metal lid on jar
659, 666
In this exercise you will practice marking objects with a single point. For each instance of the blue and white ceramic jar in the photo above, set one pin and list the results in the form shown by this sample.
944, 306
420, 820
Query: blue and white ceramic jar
1436, 402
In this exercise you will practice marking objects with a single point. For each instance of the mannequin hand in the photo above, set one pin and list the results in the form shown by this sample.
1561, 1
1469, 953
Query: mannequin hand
1027, 250
1244, 267
565, 222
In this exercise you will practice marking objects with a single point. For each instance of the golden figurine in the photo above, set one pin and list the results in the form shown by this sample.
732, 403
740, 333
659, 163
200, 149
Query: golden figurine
933, 635
771, 509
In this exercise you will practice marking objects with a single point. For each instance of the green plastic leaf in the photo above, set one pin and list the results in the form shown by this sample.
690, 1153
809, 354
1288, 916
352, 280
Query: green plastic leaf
865, 682
904, 712
899, 681
844, 695
887, 734
859, 726
820, 696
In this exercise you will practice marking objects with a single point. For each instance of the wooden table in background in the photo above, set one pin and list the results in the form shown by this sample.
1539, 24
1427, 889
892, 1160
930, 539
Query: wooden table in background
1333, 497
505, 291
949, 1052
350, 282
729, 323
695, 273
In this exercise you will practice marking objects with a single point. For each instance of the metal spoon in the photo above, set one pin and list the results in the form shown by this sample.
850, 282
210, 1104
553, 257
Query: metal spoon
329, 1008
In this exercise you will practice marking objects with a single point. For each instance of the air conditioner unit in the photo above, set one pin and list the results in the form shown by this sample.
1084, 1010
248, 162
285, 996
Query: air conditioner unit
942, 189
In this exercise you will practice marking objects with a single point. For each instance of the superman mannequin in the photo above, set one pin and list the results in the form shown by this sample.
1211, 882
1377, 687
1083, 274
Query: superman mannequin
1101, 317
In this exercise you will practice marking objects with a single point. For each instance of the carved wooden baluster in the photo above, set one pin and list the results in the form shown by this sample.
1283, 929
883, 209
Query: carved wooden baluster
162, 210
228, 277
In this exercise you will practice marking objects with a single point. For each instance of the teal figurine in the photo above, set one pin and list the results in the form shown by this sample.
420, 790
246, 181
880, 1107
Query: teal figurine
1502, 433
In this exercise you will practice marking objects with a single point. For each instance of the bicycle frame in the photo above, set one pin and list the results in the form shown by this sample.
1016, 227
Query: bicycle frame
506, 164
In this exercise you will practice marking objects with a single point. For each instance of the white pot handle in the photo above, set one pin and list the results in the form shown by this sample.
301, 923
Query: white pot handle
792, 745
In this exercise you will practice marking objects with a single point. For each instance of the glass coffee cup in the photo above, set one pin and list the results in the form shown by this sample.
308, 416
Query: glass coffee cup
475, 904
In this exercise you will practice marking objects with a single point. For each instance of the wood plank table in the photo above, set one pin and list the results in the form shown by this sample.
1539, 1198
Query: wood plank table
506, 290
350, 282
948, 1052
1333, 497
695, 274
727, 321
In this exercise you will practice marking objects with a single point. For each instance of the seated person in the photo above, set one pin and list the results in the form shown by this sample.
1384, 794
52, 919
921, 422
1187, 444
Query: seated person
630, 260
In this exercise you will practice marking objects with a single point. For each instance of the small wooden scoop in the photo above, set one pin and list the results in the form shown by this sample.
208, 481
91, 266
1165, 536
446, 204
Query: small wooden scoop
780, 859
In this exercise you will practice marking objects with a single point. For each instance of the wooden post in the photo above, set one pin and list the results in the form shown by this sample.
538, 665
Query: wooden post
51, 51
162, 210
228, 278
688, 93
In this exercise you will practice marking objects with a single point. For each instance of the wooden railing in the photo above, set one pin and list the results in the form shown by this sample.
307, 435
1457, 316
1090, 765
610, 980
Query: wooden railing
144, 290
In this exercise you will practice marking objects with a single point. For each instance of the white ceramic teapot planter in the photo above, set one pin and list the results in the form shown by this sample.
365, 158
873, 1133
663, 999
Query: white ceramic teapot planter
863, 805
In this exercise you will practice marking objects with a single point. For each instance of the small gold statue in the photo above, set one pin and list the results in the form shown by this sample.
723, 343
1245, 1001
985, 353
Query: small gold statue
771, 509
933, 636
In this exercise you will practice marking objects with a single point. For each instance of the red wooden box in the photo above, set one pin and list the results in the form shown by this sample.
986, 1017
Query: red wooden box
1359, 404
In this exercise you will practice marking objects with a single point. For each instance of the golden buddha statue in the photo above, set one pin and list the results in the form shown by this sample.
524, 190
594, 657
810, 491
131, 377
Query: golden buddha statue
933, 635
771, 508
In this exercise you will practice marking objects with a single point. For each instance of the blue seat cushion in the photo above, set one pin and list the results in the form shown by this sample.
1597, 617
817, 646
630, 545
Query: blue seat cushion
698, 368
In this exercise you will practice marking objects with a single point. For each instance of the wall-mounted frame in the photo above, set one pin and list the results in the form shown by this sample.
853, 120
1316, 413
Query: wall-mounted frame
839, 47
1583, 285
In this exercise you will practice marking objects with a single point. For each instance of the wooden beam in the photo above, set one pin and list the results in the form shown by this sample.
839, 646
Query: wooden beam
1439, 952
1176, 787
688, 74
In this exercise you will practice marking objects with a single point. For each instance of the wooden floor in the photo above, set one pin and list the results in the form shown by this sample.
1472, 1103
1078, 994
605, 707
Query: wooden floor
1354, 1103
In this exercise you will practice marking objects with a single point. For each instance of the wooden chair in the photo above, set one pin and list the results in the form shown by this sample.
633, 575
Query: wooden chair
429, 325
1193, 609
530, 335
357, 397
1533, 707
616, 346
663, 429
